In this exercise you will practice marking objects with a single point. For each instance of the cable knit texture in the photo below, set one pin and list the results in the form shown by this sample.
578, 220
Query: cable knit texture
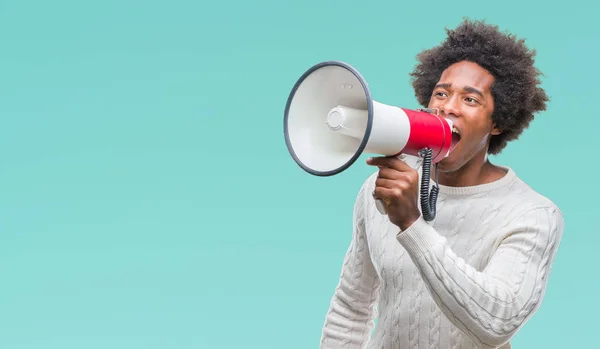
471, 278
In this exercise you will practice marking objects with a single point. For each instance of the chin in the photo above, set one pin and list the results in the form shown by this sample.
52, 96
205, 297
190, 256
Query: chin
452, 162
448, 164
444, 167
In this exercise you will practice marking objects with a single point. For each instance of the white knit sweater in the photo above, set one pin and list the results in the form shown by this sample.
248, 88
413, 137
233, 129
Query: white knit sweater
471, 278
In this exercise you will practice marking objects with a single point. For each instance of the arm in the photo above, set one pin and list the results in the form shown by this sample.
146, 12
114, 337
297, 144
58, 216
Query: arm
492, 305
350, 316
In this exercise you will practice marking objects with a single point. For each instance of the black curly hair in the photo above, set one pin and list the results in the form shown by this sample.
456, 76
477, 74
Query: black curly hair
517, 96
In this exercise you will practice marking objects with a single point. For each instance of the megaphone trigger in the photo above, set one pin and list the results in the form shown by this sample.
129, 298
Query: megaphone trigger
331, 119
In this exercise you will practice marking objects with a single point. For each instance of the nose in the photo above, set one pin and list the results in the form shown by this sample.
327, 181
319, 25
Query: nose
449, 107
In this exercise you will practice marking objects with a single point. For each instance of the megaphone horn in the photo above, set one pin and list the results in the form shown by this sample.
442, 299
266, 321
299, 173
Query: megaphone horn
331, 119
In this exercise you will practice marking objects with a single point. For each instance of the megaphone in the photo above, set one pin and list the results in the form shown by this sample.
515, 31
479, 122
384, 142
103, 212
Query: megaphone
331, 119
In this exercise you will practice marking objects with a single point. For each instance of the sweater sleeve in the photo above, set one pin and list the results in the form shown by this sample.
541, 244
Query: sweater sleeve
491, 305
350, 317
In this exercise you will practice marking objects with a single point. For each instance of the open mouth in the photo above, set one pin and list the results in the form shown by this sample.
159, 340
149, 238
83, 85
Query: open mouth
455, 138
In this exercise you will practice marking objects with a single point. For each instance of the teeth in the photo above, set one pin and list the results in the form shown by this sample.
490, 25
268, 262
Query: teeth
454, 130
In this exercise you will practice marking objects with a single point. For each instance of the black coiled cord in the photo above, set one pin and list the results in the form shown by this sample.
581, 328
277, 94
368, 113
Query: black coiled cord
428, 200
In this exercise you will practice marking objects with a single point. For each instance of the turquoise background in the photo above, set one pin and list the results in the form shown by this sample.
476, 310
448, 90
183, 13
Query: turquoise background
147, 199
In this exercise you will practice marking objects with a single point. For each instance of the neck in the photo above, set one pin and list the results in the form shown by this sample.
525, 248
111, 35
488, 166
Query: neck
479, 170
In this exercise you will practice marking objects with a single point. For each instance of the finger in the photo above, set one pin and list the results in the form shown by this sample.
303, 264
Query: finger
390, 162
386, 183
384, 194
388, 173
397, 187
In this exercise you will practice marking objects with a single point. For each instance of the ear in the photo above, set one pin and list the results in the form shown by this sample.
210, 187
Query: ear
495, 131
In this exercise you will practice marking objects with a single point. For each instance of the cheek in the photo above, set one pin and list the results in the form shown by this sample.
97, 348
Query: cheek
480, 134
432, 103
477, 126
483, 140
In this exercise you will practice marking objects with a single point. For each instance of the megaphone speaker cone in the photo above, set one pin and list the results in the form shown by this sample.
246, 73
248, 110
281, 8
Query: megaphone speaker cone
328, 118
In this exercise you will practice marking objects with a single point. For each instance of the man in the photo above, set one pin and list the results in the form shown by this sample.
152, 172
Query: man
474, 275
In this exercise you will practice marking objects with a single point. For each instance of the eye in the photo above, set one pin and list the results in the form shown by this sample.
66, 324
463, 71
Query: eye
471, 100
439, 94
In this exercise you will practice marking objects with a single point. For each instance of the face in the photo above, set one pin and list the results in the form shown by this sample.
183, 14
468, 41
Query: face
463, 95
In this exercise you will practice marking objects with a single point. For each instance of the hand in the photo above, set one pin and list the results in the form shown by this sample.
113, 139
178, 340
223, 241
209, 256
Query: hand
397, 186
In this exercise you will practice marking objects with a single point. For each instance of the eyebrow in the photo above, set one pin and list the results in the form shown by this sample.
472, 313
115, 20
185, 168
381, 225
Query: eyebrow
466, 88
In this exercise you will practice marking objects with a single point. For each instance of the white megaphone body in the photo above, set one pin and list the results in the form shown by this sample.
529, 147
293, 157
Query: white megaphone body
331, 119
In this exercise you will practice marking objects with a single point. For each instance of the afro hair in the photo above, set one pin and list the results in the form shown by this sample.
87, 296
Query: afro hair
517, 96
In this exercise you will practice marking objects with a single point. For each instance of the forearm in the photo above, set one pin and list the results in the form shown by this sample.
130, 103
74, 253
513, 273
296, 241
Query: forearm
492, 305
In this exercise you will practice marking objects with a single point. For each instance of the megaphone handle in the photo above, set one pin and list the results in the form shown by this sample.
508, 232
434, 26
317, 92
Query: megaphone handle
428, 200
378, 203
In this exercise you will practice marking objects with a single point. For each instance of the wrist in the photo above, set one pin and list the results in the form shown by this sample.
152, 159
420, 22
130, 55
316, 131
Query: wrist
408, 222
